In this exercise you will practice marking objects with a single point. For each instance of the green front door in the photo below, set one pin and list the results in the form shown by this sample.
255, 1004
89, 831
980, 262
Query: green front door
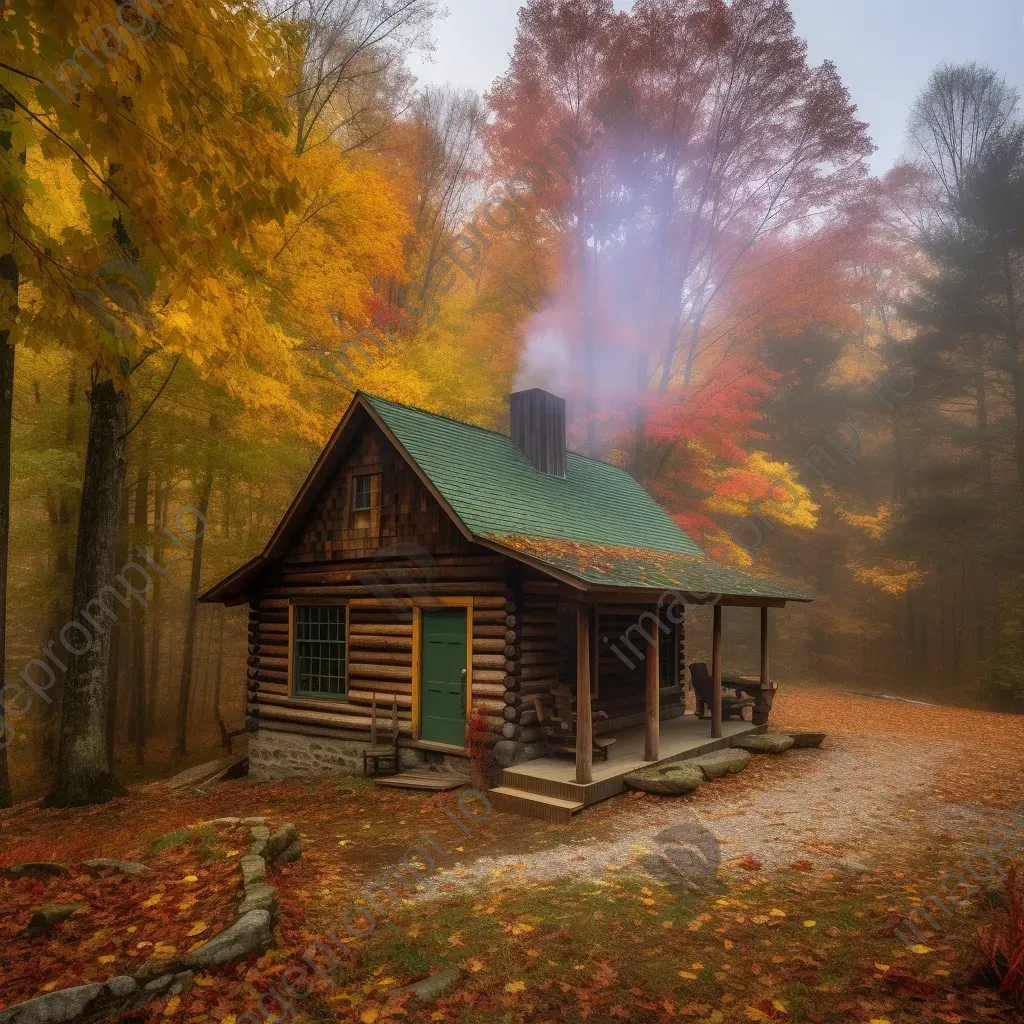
443, 686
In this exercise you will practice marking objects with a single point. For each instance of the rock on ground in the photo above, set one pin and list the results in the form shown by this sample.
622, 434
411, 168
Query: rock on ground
64, 1005
124, 867
764, 742
427, 990
260, 896
280, 841
251, 932
290, 854
718, 763
49, 914
666, 779
807, 739
38, 869
254, 870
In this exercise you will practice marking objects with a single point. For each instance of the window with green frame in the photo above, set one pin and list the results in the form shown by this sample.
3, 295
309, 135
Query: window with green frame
318, 652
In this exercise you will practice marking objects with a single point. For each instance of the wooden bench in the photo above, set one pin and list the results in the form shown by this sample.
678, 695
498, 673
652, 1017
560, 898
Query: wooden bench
562, 737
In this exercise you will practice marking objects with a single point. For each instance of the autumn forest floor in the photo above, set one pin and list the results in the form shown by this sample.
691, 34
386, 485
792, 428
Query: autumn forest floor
820, 854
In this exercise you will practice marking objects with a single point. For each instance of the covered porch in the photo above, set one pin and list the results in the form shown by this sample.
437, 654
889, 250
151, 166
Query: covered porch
588, 751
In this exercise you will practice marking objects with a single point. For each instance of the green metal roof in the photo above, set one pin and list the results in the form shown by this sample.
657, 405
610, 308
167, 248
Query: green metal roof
597, 524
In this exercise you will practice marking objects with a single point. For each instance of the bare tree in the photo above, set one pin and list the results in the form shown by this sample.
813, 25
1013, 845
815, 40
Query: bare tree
349, 74
446, 123
962, 113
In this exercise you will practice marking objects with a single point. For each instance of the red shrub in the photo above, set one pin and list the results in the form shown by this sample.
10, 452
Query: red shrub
478, 747
1002, 941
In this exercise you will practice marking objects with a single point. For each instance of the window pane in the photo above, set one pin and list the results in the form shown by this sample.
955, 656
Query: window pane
319, 651
361, 496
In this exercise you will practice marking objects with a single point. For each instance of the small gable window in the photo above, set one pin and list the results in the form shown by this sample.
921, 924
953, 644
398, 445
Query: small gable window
319, 667
365, 500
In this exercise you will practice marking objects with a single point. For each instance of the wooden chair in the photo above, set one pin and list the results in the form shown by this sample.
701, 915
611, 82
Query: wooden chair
733, 699
382, 755
558, 717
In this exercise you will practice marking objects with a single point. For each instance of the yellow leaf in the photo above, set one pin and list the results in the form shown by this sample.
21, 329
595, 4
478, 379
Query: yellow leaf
197, 929
191, 878
49, 986
518, 929
455, 939
229, 1019
774, 912
231, 853
474, 965
666, 924
920, 948
779, 1005
106, 959
515, 986
941, 973
697, 966
647, 901
369, 1016
810, 924
688, 974
753, 1013
172, 1006
880, 1020
204, 980
882, 967
153, 900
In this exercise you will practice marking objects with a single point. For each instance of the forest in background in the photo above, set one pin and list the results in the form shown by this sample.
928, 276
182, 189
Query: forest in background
818, 372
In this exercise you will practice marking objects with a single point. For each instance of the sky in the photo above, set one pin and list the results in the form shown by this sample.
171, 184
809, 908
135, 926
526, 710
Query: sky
885, 50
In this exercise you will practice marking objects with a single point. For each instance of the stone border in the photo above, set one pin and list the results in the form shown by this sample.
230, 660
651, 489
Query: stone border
249, 932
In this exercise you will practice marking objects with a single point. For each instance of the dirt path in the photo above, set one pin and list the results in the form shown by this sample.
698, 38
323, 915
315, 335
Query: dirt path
846, 806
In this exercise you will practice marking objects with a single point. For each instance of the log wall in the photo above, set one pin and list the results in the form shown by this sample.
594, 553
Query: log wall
380, 646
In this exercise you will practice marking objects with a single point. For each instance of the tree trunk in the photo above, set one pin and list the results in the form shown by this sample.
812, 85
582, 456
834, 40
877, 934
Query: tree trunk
7, 269
160, 499
118, 659
184, 689
1013, 338
9, 276
85, 773
137, 640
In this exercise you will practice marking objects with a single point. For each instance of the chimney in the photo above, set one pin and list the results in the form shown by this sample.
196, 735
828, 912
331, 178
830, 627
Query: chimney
538, 428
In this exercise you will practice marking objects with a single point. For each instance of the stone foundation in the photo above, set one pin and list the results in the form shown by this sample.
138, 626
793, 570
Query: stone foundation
276, 755
408, 757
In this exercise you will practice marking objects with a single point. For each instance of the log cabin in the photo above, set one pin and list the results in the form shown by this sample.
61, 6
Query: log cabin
436, 568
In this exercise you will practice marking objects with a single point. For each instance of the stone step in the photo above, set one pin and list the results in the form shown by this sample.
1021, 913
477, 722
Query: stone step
533, 805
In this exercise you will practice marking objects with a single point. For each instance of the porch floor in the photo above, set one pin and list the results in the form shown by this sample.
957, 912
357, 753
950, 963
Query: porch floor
554, 777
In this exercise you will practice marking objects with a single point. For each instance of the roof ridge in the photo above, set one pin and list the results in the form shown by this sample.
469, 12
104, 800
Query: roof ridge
435, 415
476, 426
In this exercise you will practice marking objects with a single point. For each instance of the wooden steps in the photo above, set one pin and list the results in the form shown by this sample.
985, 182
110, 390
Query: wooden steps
533, 805
421, 778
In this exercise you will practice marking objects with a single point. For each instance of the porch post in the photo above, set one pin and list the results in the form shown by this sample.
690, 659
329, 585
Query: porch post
716, 674
584, 722
763, 705
652, 733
